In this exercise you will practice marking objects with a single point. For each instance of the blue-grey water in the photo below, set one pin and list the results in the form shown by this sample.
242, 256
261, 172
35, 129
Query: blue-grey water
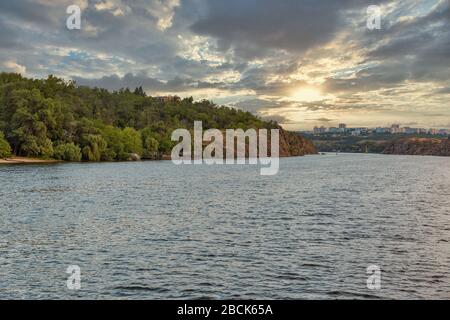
153, 230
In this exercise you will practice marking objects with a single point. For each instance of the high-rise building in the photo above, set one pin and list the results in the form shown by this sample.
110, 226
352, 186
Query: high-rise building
320, 130
395, 128
342, 128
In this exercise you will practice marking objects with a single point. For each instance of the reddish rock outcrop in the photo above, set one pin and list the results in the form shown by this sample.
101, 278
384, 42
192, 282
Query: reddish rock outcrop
420, 146
292, 144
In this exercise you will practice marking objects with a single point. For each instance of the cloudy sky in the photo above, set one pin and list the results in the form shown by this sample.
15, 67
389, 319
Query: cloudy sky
300, 62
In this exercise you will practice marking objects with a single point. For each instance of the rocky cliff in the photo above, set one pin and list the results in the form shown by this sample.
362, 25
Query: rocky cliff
420, 146
292, 144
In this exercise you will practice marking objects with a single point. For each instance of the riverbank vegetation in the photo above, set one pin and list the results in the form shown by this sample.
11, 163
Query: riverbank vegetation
56, 119
351, 144
5, 149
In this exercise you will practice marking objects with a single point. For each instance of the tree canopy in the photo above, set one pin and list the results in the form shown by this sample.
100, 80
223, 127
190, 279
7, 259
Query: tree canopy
5, 149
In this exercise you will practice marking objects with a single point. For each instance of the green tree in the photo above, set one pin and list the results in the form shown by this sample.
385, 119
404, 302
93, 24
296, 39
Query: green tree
166, 145
30, 135
115, 148
94, 147
132, 141
150, 144
140, 92
67, 152
29, 123
5, 149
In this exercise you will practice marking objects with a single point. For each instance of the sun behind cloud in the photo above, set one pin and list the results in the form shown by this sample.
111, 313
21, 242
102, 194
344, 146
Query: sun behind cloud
307, 94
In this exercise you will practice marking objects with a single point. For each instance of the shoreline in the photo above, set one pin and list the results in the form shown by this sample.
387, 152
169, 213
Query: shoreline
25, 160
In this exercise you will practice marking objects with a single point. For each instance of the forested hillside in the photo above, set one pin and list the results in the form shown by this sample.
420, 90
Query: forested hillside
54, 118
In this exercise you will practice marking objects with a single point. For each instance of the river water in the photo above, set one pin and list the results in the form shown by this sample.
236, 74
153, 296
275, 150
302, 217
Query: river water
153, 230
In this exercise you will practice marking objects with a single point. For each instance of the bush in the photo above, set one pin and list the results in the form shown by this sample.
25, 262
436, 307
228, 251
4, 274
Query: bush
34, 147
132, 141
95, 147
5, 149
121, 143
150, 144
67, 152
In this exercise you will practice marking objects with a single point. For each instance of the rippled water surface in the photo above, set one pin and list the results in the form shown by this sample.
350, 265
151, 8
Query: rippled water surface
153, 230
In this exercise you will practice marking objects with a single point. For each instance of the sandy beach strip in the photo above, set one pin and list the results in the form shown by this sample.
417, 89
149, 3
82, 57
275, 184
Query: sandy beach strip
23, 160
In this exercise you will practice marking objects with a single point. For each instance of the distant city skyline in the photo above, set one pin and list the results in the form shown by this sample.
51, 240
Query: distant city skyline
342, 128
301, 63
390, 126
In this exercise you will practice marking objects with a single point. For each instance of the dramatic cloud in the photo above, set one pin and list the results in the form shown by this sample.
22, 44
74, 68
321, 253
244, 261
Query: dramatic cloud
300, 63
254, 27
